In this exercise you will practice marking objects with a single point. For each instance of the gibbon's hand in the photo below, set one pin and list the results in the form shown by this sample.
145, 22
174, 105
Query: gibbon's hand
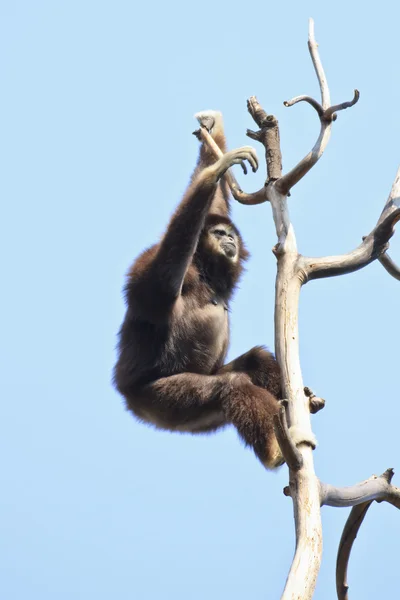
236, 157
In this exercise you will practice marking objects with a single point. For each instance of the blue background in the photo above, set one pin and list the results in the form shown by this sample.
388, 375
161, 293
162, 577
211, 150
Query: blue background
97, 109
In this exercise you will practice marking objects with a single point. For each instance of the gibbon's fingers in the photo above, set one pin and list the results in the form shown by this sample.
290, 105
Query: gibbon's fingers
253, 161
248, 153
251, 157
237, 157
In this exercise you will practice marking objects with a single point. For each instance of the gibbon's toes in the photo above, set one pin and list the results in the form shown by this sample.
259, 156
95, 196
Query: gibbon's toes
208, 118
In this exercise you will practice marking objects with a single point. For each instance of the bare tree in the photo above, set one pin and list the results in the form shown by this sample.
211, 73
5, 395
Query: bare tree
308, 493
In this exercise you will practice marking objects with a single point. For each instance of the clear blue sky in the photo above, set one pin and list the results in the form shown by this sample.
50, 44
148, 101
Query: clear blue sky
97, 109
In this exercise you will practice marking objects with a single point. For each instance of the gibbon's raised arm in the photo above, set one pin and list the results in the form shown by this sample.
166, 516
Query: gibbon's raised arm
176, 249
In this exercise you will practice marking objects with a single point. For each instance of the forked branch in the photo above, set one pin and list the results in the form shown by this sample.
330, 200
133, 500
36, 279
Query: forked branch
326, 113
363, 494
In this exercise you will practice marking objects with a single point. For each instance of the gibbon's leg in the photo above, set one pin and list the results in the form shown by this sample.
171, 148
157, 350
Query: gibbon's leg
201, 403
262, 368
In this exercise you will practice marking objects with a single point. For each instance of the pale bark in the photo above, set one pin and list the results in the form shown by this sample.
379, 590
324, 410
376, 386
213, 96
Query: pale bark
303, 483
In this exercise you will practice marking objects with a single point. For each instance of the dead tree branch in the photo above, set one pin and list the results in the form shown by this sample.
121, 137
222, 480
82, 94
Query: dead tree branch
373, 246
349, 535
374, 488
268, 135
360, 497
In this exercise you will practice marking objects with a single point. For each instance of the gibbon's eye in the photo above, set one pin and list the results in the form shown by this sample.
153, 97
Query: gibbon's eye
219, 232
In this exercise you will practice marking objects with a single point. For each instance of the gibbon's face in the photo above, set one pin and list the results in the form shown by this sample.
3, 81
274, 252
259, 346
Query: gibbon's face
224, 240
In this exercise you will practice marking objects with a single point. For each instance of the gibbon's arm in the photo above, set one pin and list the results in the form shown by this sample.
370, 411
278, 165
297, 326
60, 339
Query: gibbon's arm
176, 249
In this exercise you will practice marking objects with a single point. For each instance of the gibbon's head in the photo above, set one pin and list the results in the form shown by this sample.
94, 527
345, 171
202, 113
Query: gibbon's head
220, 254
221, 238
224, 240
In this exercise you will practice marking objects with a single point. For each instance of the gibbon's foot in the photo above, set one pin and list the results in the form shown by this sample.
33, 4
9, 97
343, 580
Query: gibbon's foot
275, 458
299, 436
236, 157
208, 118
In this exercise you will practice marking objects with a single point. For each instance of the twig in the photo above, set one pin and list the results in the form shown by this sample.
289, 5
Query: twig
308, 99
330, 112
364, 495
390, 265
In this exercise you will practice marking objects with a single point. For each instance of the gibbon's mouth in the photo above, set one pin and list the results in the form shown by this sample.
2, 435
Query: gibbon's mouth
229, 248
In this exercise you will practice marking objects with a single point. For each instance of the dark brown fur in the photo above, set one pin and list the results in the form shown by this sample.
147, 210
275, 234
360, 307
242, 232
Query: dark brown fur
175, 335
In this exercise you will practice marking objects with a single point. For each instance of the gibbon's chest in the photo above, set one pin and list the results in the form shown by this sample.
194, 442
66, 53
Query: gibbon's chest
205, 326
